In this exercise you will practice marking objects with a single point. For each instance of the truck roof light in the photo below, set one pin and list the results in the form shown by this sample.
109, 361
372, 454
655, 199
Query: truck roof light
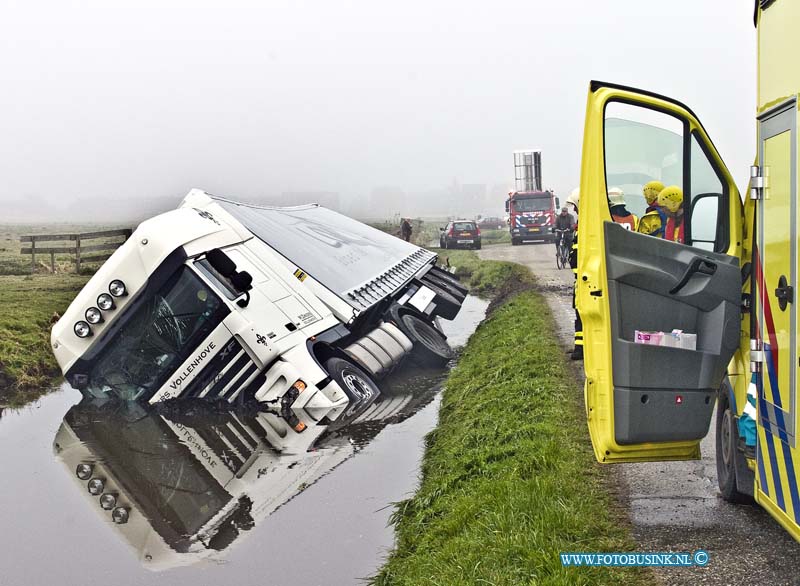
105, 302
82, 329
117, 288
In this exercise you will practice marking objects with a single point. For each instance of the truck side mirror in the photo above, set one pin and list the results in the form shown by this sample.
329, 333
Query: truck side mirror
221, 262
558, 204
441, 229
506, 206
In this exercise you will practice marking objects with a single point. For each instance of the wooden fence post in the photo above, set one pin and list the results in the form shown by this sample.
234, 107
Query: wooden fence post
33, 254
52, 262
78, 254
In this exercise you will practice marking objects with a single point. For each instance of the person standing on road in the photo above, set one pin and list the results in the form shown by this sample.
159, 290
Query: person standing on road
406, 229
654, 219
577, 351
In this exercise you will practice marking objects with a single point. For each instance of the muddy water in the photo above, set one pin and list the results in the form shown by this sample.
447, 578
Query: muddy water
211, 497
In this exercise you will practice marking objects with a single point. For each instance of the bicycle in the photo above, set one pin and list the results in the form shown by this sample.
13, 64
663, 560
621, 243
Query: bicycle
563, 244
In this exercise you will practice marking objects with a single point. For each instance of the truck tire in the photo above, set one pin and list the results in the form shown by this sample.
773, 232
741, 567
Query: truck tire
354, 381
727, 452
514, 241
430, 345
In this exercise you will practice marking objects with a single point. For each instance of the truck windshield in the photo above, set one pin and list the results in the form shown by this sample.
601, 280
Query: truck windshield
533, 204
160, 333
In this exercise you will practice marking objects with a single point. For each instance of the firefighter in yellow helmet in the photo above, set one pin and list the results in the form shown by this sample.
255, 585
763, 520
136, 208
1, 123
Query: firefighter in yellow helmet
616, 202
670, 199
654, 219
573, 200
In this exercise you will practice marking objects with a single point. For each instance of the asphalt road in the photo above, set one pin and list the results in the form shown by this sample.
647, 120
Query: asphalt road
675, 506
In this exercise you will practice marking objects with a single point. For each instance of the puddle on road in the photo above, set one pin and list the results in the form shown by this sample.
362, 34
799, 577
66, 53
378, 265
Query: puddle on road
209, 496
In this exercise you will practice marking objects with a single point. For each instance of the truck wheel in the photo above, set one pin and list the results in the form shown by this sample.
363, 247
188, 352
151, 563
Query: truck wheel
357, 384
430, 345
726, 444
514, 242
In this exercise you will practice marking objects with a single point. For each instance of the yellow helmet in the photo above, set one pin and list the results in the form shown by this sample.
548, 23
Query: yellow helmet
574, 197
651, 191
671, 198
616, 196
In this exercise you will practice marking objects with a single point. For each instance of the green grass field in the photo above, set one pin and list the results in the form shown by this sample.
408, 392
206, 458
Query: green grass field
508, 477
27, 305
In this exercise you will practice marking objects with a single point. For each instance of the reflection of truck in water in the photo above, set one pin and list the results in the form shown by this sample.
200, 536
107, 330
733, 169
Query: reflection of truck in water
183, 483
220, 300
531, 210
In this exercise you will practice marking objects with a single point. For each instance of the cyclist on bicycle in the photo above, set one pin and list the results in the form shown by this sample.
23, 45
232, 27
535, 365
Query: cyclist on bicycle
565, 226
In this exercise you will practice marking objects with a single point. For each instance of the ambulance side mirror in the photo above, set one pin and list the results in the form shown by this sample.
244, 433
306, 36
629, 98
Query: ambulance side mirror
704, 220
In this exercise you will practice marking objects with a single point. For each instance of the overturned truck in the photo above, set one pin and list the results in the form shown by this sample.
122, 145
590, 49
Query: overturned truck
300, 307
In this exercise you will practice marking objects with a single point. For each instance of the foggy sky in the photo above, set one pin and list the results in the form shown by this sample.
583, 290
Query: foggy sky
148, 99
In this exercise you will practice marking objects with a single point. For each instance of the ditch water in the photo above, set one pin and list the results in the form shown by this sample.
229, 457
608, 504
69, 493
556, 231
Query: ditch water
207, 496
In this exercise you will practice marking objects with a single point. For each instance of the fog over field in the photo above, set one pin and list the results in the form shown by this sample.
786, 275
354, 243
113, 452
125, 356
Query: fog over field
111, 111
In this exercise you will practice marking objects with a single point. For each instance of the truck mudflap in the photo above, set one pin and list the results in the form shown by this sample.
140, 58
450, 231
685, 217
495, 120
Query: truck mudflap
381, 350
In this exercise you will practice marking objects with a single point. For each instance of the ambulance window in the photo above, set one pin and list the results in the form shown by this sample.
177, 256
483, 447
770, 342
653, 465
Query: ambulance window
707, 201
641, 145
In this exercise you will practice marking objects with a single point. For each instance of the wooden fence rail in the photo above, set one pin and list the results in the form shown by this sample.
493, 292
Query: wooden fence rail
76, 246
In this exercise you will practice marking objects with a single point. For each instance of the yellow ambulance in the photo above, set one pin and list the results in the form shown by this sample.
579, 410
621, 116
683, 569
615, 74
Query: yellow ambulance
725, 282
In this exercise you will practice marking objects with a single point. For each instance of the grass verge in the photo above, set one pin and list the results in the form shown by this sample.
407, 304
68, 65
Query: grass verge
485, 278
508, 476
27, 304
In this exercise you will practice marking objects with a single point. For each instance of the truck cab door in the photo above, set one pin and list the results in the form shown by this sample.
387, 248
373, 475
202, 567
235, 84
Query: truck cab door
644, 401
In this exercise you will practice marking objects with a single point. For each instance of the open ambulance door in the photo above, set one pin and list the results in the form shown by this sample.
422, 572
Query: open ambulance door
650, 402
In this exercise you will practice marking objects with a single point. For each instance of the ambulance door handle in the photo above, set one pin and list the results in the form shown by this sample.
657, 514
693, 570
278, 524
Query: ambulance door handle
698, 265
784, 293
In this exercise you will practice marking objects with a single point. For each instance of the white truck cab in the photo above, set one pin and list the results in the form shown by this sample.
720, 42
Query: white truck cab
227, 301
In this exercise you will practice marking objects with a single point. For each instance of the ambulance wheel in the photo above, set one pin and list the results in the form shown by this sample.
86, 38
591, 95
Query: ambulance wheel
727, 439
356, 384
430, 345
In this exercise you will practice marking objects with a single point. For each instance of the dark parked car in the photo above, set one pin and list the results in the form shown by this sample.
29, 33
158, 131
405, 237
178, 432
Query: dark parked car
460, 234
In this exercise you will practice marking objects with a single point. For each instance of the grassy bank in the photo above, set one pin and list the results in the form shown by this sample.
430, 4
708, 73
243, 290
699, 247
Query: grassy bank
27, 305
484, 278
508, 477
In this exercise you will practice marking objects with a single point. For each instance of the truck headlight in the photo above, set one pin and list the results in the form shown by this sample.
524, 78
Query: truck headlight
84, 471
96, 486
117, 288
82, 329
108, 501
105, 301
120, 515
93, 315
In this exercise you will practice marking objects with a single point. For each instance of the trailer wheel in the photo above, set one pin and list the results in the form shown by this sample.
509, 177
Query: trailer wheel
430, 345
357, 384
726, 444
